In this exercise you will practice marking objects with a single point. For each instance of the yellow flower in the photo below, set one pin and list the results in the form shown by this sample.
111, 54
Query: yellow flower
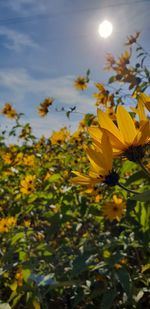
124, 59
120, 263
100, 158
98, 198
27, 223
42, 111
81, 83
19, 277
19, 158
9, 111
103, 97
29, 160
26, 131
27, 184
110, 62
7, 223
125, 138
8, 158
132, 38
114, 210
76, 137
59, 137
43, 108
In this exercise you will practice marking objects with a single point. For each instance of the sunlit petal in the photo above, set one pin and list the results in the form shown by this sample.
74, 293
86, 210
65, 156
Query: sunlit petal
126, 125
106, 123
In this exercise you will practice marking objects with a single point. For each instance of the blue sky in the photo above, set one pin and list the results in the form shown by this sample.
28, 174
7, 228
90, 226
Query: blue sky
45, 44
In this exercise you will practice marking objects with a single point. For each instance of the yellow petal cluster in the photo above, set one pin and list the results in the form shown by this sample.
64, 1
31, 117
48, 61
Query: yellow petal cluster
132, 38
103, 96
100, 157
7, 223
43, 108
27, 185
124, 135
115, 209
80, 83
59, 137
9, 111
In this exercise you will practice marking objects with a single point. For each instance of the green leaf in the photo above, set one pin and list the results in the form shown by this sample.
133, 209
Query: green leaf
26, 274
17, 237
108, 299
4, 306
112, 79
54, 178
124, 279
68, 114
136, 177
142, 197
144, 217
88, 119
80, 264
127, 166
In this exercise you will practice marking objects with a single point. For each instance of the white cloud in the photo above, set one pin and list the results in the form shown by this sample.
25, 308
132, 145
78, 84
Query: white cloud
15, 40
19, 85
33, 7
26, 7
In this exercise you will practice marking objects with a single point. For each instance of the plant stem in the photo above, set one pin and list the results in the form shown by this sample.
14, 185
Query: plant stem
125, 188
144, 168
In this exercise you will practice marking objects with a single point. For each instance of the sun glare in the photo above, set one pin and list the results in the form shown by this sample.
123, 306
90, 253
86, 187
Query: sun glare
105, 29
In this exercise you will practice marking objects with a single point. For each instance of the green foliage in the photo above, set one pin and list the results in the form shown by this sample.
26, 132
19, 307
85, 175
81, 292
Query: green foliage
58, 247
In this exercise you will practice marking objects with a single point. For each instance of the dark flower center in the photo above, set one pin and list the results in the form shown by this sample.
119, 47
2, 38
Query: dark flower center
115, 208
111, 179
135, 153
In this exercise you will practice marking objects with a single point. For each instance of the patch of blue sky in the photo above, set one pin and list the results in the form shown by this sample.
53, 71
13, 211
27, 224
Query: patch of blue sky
46, 44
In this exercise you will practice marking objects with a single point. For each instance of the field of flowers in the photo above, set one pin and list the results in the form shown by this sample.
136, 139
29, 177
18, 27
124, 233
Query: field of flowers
74, 223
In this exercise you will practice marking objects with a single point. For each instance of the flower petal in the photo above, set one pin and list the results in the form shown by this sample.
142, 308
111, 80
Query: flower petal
96, 160
106, 123
95, 133
126, 125
83, 180
107, 151
143, 135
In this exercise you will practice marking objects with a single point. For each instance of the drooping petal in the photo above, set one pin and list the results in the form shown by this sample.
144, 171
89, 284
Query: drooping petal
81, 179
143, 136
94, 175
145, 99
96, 159
140, 111
107, 151
126, 125
115, 142
97, 145
106, 123
95, 133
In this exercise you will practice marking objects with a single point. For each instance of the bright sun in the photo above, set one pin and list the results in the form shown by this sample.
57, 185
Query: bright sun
105, 29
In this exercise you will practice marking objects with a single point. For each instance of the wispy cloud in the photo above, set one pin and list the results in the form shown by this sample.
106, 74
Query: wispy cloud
20, 83
27, 7
16, 40
22, 89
